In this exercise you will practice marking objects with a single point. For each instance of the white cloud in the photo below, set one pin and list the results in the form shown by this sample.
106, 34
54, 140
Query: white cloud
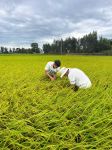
26, 21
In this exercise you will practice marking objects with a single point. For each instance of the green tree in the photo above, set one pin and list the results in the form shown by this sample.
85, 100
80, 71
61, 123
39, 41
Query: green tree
35, 48
89, 42
104, 44
10, 51
46, 48
2, 49
69, 45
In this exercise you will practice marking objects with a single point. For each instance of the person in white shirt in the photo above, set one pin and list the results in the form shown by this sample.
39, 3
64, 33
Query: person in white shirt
76, 77
52, 68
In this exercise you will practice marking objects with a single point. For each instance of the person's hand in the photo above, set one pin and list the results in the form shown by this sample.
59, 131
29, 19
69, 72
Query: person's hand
52, 79
76, 88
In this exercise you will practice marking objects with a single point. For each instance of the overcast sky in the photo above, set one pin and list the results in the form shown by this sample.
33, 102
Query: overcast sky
25, 21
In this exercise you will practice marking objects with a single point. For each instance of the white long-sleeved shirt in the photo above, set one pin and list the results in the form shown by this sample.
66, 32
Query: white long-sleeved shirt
79, 78
50, 69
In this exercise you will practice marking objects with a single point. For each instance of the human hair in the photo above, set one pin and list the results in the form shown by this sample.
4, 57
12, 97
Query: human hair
57, 63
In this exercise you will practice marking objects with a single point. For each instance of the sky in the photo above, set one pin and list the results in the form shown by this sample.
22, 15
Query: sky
25, 21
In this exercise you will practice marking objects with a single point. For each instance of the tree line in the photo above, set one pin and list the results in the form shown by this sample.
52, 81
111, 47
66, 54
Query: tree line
89, 43
34, 49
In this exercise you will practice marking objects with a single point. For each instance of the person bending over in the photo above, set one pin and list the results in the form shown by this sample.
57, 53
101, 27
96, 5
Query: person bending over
52, 68
76, 77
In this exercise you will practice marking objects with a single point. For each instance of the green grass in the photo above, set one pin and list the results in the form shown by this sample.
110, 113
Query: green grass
38, 114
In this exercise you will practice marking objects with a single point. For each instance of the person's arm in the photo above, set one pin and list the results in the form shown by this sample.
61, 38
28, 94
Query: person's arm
54, 76
75, 88
50, 76
47, 67
73, 85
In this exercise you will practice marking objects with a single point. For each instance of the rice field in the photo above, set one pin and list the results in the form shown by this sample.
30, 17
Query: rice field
39, 114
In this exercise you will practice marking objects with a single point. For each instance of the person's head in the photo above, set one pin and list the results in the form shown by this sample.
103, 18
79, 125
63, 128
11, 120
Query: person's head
57, 64
64, 72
